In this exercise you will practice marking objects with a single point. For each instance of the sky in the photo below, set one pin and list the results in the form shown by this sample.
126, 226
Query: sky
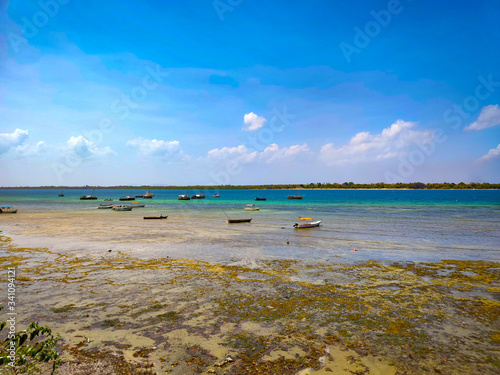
218, 92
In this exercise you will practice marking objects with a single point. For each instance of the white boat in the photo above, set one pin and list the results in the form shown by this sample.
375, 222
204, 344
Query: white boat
105, 205
251, 207
122, 207
309, 224
8, 210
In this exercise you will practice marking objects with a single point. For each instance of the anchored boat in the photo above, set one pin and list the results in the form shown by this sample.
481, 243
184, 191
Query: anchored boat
251, 207
307, 224
122, 207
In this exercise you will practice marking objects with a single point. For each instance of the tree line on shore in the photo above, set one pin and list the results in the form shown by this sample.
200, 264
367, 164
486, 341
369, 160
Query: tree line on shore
318, 185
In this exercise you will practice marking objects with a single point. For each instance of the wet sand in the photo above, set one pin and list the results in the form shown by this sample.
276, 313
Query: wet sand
146, 305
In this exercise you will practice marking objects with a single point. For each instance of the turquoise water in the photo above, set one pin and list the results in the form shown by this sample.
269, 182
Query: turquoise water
386, 224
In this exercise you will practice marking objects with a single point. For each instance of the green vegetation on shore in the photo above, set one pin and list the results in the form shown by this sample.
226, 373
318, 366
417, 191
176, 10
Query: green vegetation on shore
311, 185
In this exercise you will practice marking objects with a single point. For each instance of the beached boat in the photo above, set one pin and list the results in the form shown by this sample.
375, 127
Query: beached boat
198, 196
260, 198
184, 197
307, 223
148, 195
122, 207
105, 206
234, 221
8, 210
88, 197
136, 204
155, 217
251, 207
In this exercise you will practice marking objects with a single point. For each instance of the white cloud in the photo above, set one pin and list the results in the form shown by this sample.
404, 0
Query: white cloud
225, 152
11, 140
158, 148
253, 121
87, 149
493, 153
272, 152
36, 150
489, 117
390, 143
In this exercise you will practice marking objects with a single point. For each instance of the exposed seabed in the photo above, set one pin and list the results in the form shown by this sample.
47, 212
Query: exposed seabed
127, 314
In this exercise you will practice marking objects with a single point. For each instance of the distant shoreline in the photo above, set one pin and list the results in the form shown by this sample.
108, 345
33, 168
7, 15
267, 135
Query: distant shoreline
263, 187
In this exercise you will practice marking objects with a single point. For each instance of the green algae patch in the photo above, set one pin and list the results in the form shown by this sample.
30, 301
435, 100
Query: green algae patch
283, 316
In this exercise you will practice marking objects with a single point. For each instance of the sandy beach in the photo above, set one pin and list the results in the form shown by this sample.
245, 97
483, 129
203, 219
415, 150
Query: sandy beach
156, 302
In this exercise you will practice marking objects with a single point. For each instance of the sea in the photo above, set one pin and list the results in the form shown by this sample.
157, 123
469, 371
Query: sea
407, 225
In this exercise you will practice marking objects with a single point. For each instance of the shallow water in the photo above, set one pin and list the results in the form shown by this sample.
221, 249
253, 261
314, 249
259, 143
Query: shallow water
379, 224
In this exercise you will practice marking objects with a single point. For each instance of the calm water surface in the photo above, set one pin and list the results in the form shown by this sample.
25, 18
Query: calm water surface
386, 224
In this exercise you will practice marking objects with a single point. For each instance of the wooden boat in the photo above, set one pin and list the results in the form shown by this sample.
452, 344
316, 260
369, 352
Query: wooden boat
127, 198
251, 207
155, 217
105, 205
122, 207
260, 198
61, 194
88, 197
234, 221
136, 204
184, 197
8, 210
308, 224
297, 196
198, 196
148, 195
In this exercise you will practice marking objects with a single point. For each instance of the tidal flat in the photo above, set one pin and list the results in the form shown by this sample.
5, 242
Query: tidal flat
127, 315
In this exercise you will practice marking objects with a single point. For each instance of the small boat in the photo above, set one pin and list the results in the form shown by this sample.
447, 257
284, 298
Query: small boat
122, 207
127, 198
155, 217
108, 200
184, 197
297, 196
216, 195
198, 196
148, 195
139, 196
61, 194
88, 197
234, 221
260, 198
8, 210
136, 204
105, 205
308, 224
251, 207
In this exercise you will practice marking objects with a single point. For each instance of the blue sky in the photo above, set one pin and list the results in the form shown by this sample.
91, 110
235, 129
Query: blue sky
248, 92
